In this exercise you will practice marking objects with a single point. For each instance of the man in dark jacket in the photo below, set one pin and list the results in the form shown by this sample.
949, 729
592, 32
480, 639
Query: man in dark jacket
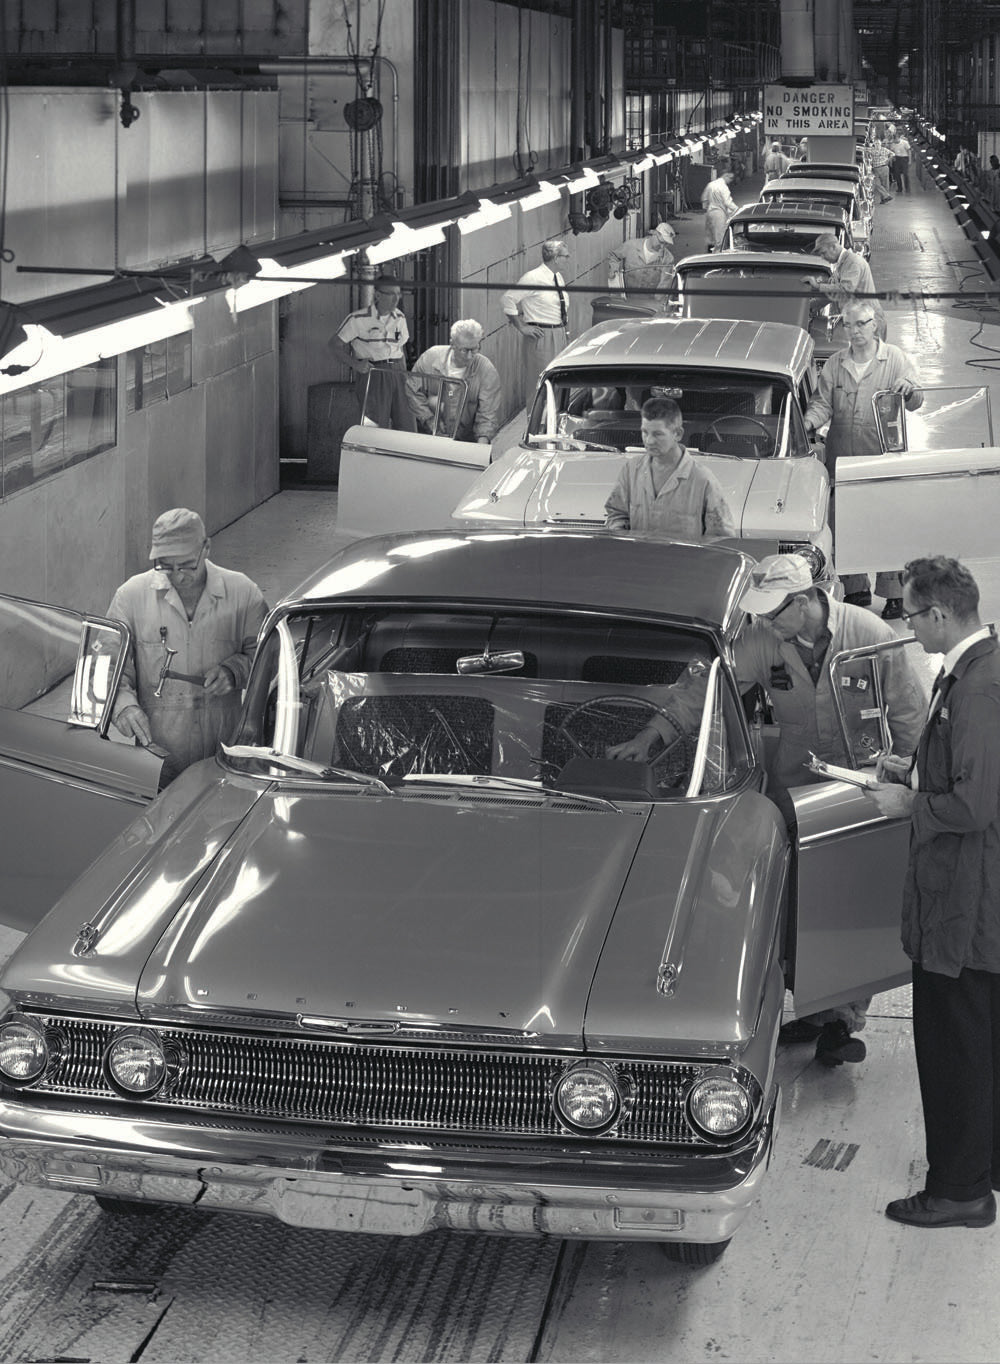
951, 899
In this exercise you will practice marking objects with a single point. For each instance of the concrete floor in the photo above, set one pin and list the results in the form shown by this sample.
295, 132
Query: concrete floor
816, 1273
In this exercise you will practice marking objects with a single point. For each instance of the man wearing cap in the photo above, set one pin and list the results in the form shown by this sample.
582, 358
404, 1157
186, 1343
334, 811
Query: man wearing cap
797, 627
538, 308
643, 263
371, 342
194, 628
851, 272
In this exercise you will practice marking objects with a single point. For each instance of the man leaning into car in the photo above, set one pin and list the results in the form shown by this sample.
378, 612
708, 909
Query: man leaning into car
797, 626
666, 491
194, 629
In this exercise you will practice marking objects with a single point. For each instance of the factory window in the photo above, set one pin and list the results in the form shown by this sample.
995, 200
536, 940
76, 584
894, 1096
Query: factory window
157, 371
59, 422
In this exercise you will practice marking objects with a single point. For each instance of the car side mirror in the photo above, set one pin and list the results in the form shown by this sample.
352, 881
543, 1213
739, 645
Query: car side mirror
99, 661
890, 419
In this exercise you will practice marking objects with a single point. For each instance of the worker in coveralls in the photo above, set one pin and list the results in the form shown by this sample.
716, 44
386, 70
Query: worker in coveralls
194, 629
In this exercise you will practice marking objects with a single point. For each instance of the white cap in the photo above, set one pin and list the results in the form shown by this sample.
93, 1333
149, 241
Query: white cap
773, 580
665, 232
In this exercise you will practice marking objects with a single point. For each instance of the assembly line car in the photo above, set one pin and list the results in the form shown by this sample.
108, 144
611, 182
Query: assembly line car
845, 194
413, 952
790, 226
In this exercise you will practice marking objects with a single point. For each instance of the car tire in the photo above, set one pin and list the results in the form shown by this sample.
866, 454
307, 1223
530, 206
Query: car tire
127, 1207
694, 1252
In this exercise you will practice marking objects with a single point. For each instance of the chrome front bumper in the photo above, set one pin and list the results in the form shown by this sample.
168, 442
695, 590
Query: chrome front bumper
396, 1190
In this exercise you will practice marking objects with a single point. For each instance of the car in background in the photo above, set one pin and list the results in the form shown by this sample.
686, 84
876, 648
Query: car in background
791, 227
761, 286
414, 953
742, 388
844, 194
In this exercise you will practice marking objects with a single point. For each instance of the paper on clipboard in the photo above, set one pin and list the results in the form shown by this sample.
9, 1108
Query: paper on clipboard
866, 780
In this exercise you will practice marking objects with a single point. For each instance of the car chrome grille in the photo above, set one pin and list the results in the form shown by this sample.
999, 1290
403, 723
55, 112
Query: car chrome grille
372, 1085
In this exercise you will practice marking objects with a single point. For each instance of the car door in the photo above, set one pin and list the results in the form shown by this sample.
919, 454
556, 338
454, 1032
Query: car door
851, 860
937, 489
66, 788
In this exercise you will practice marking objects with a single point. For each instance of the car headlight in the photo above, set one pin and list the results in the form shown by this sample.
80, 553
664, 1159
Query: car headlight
812, 554
136, 1064
24, 1052
718, 1105
587, 1097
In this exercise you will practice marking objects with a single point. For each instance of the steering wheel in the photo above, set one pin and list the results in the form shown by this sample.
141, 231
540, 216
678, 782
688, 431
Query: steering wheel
557, 443
714, 433
680, 746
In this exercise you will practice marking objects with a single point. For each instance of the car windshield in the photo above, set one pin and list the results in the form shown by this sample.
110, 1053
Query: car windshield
490, 699
779, 235
726, 411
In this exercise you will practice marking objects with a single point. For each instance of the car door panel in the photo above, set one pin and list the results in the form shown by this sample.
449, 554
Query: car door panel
849, 887
65, 790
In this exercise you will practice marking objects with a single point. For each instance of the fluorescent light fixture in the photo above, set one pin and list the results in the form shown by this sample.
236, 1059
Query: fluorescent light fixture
405, 241
48, 354
547, 193
661, 158
280, 282
587, 179
984, 232
486, 215
647, 163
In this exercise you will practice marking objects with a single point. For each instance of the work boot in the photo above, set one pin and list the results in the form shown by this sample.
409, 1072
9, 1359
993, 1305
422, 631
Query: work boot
835, 1045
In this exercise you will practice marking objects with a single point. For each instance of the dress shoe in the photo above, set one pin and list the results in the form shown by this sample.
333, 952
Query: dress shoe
893, 608
798, 1030
858, 598
924, 1210
835, 1045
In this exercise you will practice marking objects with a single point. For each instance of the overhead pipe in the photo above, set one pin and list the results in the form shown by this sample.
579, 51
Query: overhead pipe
798, 55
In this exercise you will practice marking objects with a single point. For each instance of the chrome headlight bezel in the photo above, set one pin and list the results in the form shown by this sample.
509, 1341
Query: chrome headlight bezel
33, 1032
721, 1090
141, 1041
596, 1084
809, 551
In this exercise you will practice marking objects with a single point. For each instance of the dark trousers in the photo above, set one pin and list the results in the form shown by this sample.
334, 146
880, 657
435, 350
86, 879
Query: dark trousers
381, 392
956, 1035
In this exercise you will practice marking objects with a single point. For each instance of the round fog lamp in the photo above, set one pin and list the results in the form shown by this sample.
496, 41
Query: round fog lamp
24, 1053
719, 1106
587, 1097
136, 1064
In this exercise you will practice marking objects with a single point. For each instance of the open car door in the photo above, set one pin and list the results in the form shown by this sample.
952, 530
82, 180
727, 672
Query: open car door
395, 480
66, 789
851, 859
935, 490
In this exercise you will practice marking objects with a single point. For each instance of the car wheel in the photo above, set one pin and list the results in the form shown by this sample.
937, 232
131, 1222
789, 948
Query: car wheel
693, 1252
127, 1207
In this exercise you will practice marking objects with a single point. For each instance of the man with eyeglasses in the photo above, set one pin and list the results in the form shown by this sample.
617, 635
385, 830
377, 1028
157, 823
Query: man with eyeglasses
847, 384
797, 627
194, 629
371, 343
454, 389
951, 898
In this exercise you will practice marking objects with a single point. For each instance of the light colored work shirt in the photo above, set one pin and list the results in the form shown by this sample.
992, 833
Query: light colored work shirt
844, 395
690, 505
536, 297
640, 265
371, 337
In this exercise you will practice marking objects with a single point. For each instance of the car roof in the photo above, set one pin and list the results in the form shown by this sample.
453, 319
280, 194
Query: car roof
607, 572
795, 210
803, 185
764, 260
765, 347
847, 171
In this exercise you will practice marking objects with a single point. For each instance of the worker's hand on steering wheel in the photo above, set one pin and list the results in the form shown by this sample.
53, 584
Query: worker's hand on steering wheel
636, 749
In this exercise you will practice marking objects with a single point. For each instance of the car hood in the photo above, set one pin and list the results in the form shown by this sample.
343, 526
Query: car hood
432, 908
781, 497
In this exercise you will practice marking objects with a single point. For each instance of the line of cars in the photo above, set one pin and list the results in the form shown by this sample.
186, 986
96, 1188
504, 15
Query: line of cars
413, 952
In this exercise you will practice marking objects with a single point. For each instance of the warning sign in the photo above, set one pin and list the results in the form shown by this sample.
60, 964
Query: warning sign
811, 109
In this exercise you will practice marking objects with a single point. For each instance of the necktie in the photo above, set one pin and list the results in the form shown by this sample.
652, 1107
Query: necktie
563, 313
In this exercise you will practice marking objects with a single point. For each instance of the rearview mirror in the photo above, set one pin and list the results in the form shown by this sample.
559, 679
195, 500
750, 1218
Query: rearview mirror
890, 418
506, 661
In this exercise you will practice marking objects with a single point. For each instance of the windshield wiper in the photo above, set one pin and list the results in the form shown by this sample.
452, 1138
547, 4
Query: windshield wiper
508, 784
303, 765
